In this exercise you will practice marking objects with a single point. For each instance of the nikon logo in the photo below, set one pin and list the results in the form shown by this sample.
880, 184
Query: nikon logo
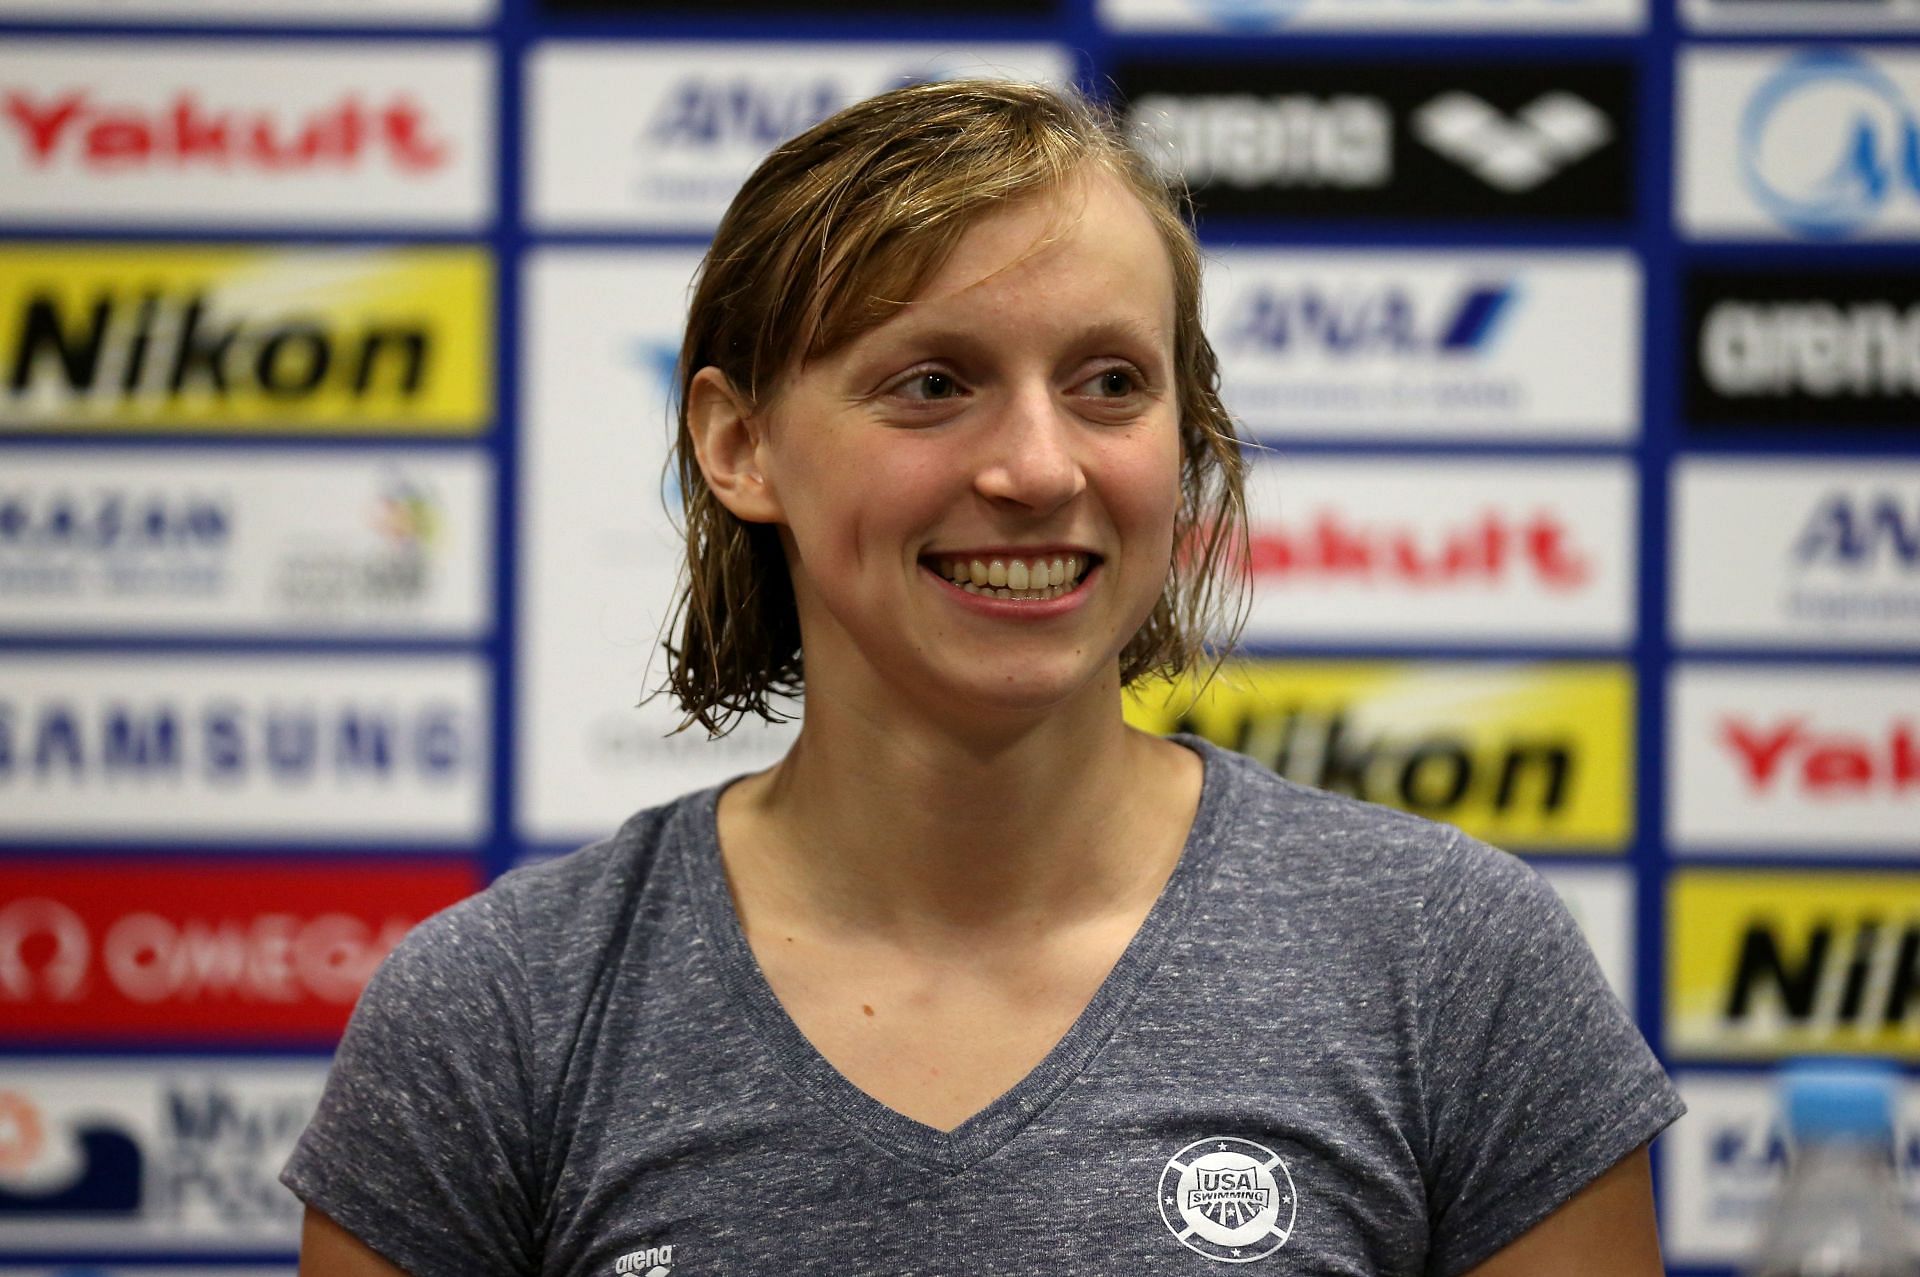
1434, 774
1862, 974
154, 347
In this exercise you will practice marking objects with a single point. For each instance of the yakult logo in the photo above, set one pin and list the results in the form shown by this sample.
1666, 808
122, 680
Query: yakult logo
1790, 754
1492, 548
80, 127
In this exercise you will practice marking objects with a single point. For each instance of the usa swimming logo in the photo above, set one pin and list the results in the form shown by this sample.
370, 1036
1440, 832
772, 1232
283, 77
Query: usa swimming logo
1229, 1199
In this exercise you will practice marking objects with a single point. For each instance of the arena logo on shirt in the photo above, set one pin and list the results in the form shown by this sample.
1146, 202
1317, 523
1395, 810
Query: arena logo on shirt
1525, 757
218, 541
1384, 551
1792, 553
1794, 759
1820, 144
150, 950
121, 132
121, 1156
1533, 141
1769, 965
267, 340
1255, 16
1722, 1167
684, 124
1797, 348
242, 747
1428, 345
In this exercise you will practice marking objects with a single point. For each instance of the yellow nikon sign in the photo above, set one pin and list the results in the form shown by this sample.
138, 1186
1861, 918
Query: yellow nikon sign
1789, 963
262, 340
1524, 756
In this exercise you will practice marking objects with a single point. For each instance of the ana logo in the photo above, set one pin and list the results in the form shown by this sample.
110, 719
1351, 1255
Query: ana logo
702, 113
654, 1261
1550, 133
1346, 323
1857, 535
1221, 1198
1825, 141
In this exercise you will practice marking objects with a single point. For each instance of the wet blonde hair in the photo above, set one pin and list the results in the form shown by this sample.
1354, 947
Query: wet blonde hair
834, 232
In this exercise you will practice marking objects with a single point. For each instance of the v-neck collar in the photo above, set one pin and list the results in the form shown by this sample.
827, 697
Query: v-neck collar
1005, 1117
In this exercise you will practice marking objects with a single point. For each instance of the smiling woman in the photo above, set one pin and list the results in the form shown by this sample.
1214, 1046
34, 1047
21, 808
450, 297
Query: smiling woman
978, 979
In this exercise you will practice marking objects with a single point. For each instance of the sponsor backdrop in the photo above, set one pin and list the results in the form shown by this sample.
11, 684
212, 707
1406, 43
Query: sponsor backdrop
1582, 338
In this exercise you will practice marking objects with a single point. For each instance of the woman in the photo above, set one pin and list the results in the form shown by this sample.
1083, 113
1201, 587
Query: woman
977, 979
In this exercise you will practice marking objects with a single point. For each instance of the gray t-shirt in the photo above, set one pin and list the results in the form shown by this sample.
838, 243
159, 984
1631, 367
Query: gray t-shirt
1345, 1040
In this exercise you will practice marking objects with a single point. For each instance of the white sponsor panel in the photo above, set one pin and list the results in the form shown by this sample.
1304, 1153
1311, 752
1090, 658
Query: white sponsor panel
1791, 759
1816, 17
290, 12
1792, 553
132, 1155
219, 541
1600, 898
599, 558
1334, 15
1817, 143
659, 136
1395, 550
1428, 345
289, 133
238, 747
1723, 1163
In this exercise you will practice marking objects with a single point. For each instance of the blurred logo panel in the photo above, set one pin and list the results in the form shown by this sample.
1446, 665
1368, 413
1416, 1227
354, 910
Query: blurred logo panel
182, 951
1794, 759
1819, 144
603, 332
175, 132
1818, 17
1803, 350
1528, 757
1788, 553
1376, 550
121, 1155
1722, 1167
1428, 345
243, 747
235, 542
1769, 965
307, 13
261, 340
1533, 141
1258, 16
659, 137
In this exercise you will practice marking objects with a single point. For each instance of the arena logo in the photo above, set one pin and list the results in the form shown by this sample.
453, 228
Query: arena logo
289, 743
150, 346
1780, 754
1862, 130
1814, 349
77, 128
1348, 323
1294, 140
1496, 547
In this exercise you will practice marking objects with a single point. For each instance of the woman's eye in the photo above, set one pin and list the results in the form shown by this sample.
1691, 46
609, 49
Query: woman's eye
930, 386
1114, 383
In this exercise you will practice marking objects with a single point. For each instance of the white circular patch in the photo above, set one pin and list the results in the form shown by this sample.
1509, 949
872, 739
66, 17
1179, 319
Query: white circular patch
1228, 1199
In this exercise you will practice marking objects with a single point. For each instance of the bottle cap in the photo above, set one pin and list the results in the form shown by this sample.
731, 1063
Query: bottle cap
1840, 1099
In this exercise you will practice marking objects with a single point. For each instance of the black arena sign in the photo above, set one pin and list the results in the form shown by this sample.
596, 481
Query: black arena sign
1803, 348
1413, 140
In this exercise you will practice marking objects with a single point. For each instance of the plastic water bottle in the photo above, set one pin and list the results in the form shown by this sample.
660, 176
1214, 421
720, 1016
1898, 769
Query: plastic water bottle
1839, 1212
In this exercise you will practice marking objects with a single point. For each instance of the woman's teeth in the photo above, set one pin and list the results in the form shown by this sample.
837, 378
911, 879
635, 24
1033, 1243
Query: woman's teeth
1004, 578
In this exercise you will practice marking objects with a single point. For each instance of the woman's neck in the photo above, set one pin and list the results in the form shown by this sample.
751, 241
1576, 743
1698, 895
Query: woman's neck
912, 828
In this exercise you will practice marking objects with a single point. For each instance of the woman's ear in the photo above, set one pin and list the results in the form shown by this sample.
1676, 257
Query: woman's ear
729, 444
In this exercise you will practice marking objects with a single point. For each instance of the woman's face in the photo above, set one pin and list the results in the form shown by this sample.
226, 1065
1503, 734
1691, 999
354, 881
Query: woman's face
1021, 410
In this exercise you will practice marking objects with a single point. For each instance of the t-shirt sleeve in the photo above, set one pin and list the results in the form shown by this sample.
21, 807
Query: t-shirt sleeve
422, 1145
1535, 1079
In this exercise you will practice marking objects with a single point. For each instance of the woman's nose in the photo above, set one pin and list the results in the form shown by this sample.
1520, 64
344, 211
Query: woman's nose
1030, 458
